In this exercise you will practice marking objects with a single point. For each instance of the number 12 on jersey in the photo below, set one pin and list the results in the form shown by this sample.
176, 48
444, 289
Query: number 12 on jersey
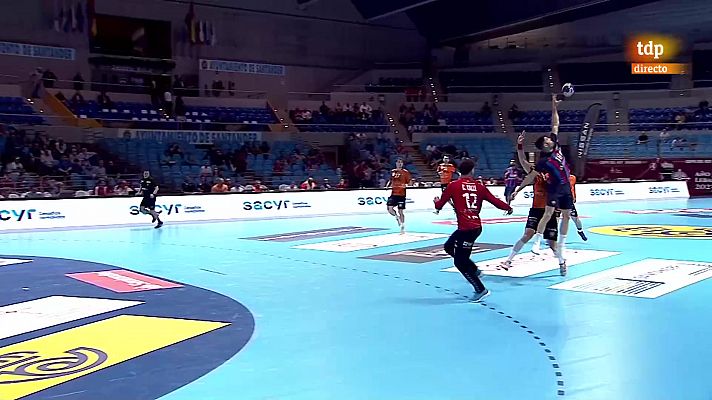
470, 200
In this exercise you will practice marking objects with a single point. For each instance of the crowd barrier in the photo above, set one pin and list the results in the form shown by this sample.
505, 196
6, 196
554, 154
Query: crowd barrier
86, 212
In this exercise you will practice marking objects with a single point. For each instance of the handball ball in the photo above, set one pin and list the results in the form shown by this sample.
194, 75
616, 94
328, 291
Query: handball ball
567, 90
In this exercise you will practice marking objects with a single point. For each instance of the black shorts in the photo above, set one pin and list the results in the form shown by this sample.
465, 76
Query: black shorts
551, 232
148, 202
561, 199
462, 240
396, 201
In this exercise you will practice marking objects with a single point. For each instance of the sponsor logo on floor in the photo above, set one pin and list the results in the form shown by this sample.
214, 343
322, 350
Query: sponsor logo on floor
53, 344
122, 281
656, 231
528, 264
12, 261
430, 253
315, 234
650, 278
371, 242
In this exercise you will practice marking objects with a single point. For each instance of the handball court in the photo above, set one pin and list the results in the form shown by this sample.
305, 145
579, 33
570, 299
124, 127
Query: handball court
346, 308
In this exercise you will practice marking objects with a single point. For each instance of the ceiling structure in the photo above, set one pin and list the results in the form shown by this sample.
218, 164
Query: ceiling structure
455, 22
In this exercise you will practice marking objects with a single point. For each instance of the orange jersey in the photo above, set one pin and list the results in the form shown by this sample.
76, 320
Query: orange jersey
445, 172
539, 200
399, 180
572, 181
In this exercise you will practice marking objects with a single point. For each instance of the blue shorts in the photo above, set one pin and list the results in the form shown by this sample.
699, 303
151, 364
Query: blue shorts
560, 198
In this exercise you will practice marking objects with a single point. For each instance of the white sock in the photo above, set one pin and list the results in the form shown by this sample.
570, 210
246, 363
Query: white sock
562, 243
537, 240
516, 249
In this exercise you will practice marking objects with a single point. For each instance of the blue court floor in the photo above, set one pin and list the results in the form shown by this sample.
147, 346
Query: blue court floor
330, 323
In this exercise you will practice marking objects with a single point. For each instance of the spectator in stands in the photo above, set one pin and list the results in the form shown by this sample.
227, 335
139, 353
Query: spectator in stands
218, 86
205, 184
326, 185
168, 103
258, 187
486, 109
77, 100
102, 189
122, 189
78, 82
179, 107
188, 185
309, 184
324, 109
104, 100
220, 187
513, 112
178, 86
49, 78
680, 120
14, 167
342, 184
643, 138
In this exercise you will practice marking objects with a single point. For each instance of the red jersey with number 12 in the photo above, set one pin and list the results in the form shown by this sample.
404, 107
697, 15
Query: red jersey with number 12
467, 196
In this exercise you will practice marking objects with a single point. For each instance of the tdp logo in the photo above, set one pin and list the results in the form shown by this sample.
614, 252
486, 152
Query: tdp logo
169, 209
651, 49
16, 215
265, 205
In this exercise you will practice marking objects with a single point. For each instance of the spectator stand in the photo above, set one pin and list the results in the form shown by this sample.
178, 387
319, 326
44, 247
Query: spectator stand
35, 165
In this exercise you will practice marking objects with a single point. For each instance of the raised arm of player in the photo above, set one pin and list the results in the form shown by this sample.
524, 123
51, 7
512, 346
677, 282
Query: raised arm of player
520, 153
554, 115
528, 180
492, 199
446, 196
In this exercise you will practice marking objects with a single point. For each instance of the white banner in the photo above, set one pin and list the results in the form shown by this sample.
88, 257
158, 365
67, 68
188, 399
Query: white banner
192, 137
34, 214
242, 67
36, 51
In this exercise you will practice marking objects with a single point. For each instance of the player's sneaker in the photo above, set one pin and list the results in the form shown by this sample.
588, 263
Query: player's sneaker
506, 265
160, 224
583, 235
563, 268
436, 212
479, 296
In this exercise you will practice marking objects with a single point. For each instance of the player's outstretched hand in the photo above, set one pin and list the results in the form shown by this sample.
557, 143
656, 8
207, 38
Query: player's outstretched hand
509, 212
520, 138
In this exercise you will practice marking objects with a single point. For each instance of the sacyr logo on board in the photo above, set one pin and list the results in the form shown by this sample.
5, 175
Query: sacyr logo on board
118, 334
17, 215
168, 209
265, 205
656, 231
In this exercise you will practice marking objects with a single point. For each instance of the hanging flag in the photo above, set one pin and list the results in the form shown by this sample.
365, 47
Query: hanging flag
57, 16
80, 17
213, 35
65, 17
73, 13
190, 23
91, 17
584, 138
201, 28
